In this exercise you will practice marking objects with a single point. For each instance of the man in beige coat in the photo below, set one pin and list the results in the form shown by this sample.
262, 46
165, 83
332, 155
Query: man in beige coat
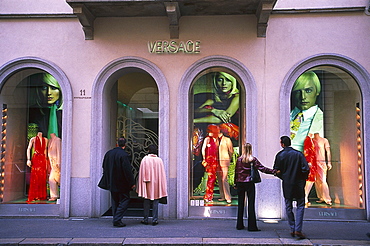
152, 184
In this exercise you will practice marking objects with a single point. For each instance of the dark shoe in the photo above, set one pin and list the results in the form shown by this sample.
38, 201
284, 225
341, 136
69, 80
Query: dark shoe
254, 229
154, 223
368, 234
240, 227
292, 234
145, 222
119, 224
300, 235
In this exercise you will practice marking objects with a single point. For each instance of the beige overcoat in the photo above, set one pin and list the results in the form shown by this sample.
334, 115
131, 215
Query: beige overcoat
152, 182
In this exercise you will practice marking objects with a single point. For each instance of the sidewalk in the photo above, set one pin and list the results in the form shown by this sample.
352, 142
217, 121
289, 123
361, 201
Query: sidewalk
93, 231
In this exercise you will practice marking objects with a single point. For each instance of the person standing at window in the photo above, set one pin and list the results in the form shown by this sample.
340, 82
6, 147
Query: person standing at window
118, 179
244, 184
291, 166
152, 184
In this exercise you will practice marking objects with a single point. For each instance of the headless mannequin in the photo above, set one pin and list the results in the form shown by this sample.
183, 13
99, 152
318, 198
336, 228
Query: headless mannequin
54, 154
323, 156
37, 190
225, 152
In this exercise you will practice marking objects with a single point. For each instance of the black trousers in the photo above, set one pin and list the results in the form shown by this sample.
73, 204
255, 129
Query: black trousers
250, 189
120, 201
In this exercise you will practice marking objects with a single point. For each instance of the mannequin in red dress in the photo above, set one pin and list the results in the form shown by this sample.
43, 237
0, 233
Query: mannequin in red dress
310, 154
37, 190
210, 159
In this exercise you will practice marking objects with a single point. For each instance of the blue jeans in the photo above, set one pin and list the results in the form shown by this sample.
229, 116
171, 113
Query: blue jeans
120, 201
295, 223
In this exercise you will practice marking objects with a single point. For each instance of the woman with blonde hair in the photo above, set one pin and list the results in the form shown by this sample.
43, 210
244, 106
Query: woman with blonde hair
244, 184
224, 104
46, 104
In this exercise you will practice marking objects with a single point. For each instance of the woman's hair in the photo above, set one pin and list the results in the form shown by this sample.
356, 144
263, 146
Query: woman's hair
37, 81
153, 149
51, 81
121, 142
308, 76
220, 95
247, 153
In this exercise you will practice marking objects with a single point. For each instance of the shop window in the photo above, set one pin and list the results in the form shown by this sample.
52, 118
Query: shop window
32, 104
329, 133
215, 110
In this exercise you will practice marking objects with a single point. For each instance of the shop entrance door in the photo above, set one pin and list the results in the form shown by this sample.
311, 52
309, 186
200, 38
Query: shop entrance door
135, 116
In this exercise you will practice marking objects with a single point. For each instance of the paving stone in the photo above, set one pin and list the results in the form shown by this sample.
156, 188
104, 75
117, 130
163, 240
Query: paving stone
163, 241
331, 242
45, 241
295, 241
10, 241
242, 241
96, 241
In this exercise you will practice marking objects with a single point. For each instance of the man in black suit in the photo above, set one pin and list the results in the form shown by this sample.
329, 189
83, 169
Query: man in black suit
118, 179
292, 168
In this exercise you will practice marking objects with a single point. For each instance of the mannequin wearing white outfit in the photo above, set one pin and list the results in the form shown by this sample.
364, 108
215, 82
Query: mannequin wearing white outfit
323, 157
54, 154
225, 152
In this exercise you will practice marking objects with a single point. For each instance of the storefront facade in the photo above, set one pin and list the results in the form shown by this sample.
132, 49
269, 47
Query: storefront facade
89, 76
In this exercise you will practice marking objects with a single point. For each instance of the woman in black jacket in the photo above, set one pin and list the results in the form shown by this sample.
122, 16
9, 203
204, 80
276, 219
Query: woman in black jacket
244, 184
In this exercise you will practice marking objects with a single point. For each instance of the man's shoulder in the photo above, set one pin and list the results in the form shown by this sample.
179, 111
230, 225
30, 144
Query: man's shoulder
290, 151
116, 150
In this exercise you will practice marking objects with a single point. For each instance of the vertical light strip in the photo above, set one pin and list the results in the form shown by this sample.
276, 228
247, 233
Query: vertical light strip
2, 153
359, 154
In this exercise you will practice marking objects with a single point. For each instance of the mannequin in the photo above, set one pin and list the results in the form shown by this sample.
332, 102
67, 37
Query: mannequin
210, 159
310, 155
54, 154
225, 152
323, 156
38, 164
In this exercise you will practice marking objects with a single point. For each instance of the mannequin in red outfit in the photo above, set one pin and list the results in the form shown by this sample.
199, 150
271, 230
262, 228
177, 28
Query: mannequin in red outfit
310, 154
38, 164
210, 159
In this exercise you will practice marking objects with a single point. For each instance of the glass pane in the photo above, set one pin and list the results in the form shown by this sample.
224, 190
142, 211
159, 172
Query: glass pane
32, 105
137, 120
215, 106
329, 133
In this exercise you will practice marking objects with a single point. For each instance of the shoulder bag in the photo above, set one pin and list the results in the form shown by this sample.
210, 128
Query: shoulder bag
255, 175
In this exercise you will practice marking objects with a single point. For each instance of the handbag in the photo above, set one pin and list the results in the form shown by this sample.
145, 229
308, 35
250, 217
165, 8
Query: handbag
255, 175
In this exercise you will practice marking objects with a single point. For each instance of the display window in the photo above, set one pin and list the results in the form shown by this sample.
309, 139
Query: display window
326, 125
215, 112
32, 106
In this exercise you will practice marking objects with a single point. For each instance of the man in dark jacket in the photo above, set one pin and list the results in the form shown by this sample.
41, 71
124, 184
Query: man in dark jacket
118, 179
292, 168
